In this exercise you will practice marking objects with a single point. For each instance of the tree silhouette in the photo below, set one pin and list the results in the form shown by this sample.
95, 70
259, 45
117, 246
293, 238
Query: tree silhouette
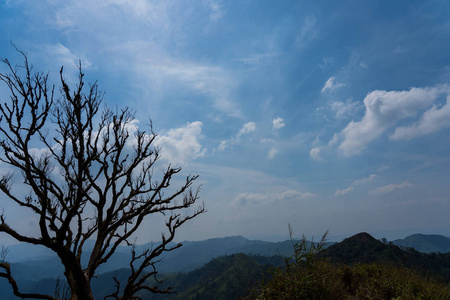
92, 178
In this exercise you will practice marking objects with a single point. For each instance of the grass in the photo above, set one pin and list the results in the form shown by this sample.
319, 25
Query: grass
308, 276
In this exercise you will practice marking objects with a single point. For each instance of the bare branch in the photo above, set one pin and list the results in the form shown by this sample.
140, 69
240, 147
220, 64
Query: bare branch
92, 178
7, 274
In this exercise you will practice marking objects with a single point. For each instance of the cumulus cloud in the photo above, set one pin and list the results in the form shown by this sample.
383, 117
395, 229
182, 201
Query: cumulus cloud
383, 110
182, 144
355, 184
278, 123
387, 189
331, 84
434, 119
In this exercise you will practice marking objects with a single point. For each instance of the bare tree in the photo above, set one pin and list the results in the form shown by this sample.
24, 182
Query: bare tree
94, 180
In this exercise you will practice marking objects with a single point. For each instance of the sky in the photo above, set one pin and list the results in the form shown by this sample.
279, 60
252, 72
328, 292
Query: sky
325, 115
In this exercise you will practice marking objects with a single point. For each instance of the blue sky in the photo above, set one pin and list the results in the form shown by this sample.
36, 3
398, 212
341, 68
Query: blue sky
322, 114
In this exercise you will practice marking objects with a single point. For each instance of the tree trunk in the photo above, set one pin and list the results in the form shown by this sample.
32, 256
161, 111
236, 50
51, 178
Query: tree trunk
79, 285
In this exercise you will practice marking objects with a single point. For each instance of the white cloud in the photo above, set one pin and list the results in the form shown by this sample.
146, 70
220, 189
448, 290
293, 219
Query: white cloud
272, 152
383, 110
256, 59
315, 153
223, 145
216, 9
148, 35
344, 191
363, 65
331, 84
182, 144
247, 128
307, 33
209, 80
334, 140
384, 168
355, 184
434, 119
344, 109
387, 189
265, 141
278, 123
65, 57
326, 61
271, 197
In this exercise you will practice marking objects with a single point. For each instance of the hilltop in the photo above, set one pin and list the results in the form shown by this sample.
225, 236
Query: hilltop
425, 243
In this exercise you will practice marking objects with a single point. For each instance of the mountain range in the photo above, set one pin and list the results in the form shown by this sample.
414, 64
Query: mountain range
426, 243
202, 265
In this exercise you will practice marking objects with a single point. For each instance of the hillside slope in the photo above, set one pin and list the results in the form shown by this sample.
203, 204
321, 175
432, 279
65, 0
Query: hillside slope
363, 248
425, 243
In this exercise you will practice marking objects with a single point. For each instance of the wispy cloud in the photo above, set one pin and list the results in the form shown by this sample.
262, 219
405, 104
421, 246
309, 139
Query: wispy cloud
269, 197
315, 153
61, 55
272, 152
383, 168
331, 85
307, 33
246, 129
390, 188
340, 109
355, 184
344, 109
209, 80
147, 47
256, 59
216, 8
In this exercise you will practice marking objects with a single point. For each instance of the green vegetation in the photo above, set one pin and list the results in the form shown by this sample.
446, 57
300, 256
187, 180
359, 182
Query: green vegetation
360, 267
226, 277
310, 275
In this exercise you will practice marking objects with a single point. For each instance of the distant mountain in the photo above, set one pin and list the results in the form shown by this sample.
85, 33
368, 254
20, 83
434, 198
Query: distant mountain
190, 256
221, 268
225, 277
363, 248
196, 254
35, 266
426, 243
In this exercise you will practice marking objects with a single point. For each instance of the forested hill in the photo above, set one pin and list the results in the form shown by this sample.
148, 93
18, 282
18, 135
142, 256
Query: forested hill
226, 277
426, 243
209, 269
363, 248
